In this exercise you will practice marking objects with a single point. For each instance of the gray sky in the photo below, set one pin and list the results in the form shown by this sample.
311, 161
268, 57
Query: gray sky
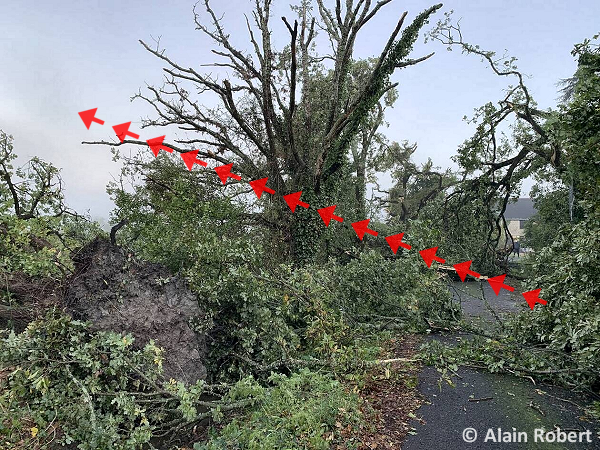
62, 57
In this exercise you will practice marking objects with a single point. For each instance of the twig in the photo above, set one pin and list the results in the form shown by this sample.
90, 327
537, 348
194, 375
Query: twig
393, 360
537, 408
482, 399
86, 397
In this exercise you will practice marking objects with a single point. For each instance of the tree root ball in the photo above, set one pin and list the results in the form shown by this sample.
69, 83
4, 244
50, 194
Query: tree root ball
115, 292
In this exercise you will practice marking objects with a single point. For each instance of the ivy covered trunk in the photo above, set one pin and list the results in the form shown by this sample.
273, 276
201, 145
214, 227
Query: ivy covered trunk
307, 230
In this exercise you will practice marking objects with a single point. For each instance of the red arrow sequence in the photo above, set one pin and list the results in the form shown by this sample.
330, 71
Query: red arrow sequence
224, 172
156, 145
497, 283
428, 256
532, 297
189, 158
260, 186
327, 214
293, 200
122, 131
361, 228
89, 116
463, 270
395, 241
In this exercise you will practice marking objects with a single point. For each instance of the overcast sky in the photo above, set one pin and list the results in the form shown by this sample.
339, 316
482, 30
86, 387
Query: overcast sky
62, 57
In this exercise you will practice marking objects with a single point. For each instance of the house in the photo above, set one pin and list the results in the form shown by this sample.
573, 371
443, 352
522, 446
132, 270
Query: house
517, 214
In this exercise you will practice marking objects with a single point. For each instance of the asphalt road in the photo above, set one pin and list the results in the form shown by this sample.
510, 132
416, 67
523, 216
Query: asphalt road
513, 403
485, 401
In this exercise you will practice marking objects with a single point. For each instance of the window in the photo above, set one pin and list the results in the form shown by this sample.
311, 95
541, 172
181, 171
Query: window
522, 224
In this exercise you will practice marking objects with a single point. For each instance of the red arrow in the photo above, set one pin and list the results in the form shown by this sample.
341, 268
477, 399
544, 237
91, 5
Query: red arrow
189, 158
361, 228
497, 283
89, 116
156, 145
261, 185
428, 256
532, 297
395, 241
224, 173
293, 200
463, 270
122, 131
327, 214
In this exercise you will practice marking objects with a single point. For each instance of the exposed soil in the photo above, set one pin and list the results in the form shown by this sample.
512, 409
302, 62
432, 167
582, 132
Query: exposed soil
30, 298
116, 292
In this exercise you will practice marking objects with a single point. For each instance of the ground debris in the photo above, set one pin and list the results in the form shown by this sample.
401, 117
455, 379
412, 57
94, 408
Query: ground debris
392, 398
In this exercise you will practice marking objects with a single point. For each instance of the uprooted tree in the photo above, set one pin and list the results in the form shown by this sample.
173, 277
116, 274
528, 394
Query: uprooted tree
292, 114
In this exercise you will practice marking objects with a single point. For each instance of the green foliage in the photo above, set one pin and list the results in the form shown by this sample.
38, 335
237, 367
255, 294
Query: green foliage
415, 187
506, 353
26, 247
460, 230
37, 232
42, 246
32, 190
262, 314
172, 216
56, 374
250, 316
552, 212
372, 286
580, 124
266, 316
62, 383
568, 271
304, 411
594, 410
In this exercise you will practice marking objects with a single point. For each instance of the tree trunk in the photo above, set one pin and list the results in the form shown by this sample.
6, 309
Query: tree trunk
307, 230
360, 189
